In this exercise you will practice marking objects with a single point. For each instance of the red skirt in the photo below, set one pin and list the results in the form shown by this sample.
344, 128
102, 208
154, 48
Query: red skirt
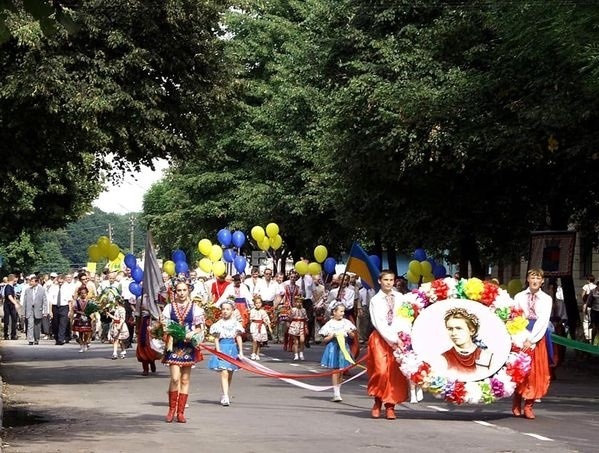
385, 380
143, 351
537, 382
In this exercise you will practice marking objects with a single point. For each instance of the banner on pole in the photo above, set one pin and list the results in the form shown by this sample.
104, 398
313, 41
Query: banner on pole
552, 251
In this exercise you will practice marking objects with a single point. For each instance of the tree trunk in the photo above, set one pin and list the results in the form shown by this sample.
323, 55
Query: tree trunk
392, 258
571, 305
469, 255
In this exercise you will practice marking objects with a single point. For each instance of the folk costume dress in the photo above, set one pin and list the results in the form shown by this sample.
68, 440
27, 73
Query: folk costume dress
332, 357
227, 331
118, 327
189, 315
81, 322
537, 309
385, 380
144, 352
259, 322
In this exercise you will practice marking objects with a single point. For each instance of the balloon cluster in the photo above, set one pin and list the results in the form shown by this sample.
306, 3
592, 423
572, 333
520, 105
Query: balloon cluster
314, 268
425, 268
267, 238
103, 248
137, 274
215, 255
177, 264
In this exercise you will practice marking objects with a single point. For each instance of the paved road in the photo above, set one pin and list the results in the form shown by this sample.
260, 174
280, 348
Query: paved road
58, 400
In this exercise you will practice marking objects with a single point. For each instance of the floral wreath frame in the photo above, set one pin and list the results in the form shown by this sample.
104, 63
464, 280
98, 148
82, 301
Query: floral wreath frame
485, 391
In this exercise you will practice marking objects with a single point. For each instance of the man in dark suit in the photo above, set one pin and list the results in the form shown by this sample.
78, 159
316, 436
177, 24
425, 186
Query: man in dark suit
34, 299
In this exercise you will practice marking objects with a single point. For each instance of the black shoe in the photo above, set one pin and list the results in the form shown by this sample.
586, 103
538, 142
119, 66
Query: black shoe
36, 342
59, 343
14, 338
6, 337
307, 345
31, 343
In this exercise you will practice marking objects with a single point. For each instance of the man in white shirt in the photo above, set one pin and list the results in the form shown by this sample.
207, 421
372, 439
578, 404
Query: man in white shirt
60, 297
344, 294
586, 310
268, 289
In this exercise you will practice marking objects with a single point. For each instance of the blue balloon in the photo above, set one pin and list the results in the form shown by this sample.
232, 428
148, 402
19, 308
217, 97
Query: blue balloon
135, 288
137, 274
374, 259
439, 271
420, 255
329, 265
181, 267
178, 255
224, 237
229, 255
240, 263
130, 261
238, 239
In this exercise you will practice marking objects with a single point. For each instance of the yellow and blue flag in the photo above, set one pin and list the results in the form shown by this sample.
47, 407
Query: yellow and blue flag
360, 264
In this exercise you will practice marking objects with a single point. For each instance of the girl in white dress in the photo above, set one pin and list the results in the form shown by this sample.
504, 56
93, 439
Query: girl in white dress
332, 357
259, 323
227, 333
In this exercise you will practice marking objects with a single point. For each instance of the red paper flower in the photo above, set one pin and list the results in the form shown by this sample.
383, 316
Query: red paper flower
489, 294
441, 289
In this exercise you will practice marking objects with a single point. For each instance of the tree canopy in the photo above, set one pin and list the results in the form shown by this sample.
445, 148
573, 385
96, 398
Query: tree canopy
459, 127
136, 81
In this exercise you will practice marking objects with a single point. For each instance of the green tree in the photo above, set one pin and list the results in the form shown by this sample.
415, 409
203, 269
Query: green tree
75, 108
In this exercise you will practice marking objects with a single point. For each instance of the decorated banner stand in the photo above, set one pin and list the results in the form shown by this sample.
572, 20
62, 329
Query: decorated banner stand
487, 315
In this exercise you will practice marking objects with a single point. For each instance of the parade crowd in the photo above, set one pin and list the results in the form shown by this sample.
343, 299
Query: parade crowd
263, 308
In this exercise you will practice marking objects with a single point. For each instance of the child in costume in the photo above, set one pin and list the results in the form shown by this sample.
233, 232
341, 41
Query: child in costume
259, 327
118, 329
298, 328
227, 333
333, 357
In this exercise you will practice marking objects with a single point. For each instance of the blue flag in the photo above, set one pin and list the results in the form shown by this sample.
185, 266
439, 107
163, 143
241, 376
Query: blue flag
360, 264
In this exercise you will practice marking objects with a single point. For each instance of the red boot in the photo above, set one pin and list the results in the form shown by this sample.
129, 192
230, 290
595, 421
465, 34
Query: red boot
517, 405
528, 412
376, 408
390, 411
172, 406
181, 408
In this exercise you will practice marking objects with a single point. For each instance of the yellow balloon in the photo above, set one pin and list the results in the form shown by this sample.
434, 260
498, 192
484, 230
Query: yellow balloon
272, 229
216, 253
301, 267
206, 264
264, 244
427, 278
314, 268
415, 269
104, 245
514, 287
276, 242
94, 253
113, 252
205, 247
258, 233
320, 253
425, 267
219, 268
412, 278
169, 267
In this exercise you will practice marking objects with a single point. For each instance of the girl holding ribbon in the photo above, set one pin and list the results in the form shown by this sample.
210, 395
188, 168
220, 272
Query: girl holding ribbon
336, 333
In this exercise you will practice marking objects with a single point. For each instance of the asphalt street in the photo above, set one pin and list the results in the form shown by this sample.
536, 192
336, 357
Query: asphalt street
59, 400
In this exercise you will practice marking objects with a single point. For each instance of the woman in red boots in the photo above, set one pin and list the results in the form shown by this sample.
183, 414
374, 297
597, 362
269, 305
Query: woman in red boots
182, 355
536, 306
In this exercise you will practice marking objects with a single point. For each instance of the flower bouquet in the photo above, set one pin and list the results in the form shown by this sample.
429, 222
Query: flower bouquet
91, 308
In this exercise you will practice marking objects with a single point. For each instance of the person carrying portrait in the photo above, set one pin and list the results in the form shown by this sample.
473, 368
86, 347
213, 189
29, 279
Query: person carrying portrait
536, 306
386, 383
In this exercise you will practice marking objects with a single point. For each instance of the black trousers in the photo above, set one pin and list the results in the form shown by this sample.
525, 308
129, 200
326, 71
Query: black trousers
309, 306
60, 322
10, 318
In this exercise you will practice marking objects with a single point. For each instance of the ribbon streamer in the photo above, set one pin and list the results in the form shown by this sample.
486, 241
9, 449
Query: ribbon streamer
314, 388
585, 347
267, 372
346, 355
